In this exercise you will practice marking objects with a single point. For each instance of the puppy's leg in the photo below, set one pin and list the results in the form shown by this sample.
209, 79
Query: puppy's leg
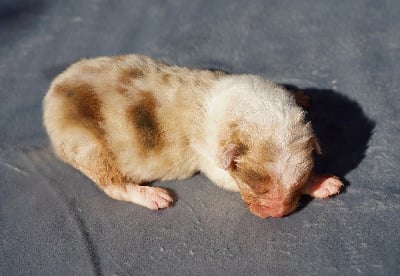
219, 176
88, 153
153, 198
322, 186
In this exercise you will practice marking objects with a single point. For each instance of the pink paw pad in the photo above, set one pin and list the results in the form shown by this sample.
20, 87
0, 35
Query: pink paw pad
323, 186
153, 198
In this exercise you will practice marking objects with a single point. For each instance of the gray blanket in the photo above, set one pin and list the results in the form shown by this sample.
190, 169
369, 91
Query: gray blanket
344, 54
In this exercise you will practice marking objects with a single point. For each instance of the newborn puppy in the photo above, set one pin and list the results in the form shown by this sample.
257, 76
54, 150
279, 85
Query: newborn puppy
124, 121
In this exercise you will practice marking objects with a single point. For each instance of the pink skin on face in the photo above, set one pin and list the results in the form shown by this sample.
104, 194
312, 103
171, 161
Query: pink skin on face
273, 209
318, 186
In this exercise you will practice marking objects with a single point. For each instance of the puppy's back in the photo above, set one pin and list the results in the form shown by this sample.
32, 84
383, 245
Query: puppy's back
142, 113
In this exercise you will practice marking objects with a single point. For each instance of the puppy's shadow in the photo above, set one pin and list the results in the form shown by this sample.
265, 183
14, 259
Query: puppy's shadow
342, 129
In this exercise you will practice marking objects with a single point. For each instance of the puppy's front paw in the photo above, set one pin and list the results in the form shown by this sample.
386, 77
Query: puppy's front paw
153, 198
323, 186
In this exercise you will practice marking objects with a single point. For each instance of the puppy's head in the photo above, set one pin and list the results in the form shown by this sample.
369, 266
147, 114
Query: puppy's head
263, 141
270, 172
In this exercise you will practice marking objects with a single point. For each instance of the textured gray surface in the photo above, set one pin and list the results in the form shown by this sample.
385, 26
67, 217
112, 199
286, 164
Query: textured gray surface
345, 54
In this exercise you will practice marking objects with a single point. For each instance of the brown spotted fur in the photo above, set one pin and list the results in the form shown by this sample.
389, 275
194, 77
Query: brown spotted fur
127, 120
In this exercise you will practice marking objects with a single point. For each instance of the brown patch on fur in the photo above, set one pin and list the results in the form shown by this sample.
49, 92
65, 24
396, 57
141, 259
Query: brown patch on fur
237, 139
102, 169
258, 182
122, 89
268, 153
251, 160
99, 165
166, 79
144, 118
83, 104
83, 107
250, 170
128, 75
242, 148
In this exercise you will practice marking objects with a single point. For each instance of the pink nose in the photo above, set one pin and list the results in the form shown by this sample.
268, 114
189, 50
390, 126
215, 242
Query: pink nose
278, 214
267, 211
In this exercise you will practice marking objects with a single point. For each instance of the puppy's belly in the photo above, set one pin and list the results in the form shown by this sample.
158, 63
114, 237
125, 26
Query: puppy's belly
155, 167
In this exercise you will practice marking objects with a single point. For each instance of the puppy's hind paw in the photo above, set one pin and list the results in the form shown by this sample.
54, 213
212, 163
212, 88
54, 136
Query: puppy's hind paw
153, 198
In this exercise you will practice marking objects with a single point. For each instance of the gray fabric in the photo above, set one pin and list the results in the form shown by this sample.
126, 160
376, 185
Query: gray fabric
345, 54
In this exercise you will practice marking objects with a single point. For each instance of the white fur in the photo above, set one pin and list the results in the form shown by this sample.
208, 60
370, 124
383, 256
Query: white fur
89, 114
265, 111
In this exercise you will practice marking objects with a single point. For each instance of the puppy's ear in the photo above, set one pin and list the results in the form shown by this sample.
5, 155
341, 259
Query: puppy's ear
228, 155
302, 100
315, 144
